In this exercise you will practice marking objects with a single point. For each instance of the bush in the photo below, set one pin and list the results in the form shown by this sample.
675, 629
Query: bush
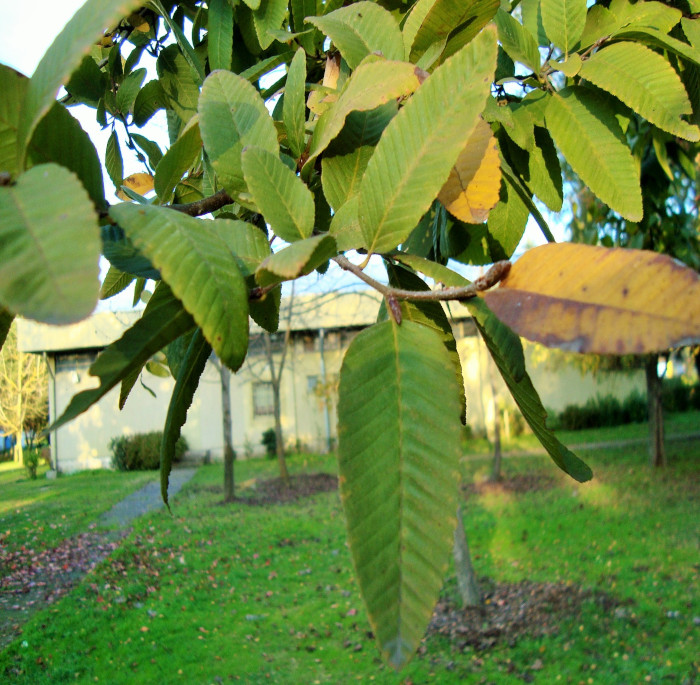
676, 395
635, 408
141, 452
269, 439
31, 462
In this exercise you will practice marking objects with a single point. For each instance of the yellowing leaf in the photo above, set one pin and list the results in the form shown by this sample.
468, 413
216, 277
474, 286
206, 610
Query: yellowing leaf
595, 299
472, 188
320, 100
139, 183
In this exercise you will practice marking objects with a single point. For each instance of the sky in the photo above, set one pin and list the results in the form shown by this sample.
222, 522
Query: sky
28, 27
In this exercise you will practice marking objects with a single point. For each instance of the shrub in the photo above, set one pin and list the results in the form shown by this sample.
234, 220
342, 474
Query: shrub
269, 439
635, 408
676, 395
141, 452
31, 462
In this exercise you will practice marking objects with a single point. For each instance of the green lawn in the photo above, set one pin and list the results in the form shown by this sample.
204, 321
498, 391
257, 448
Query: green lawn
218, 594
43, 512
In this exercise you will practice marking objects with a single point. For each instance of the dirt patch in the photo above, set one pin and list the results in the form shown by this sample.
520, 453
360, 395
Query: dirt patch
513, 611
520, 483
274, 490
30, 580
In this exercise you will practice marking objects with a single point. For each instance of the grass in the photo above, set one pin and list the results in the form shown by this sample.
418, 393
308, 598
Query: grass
218, 594
43, 512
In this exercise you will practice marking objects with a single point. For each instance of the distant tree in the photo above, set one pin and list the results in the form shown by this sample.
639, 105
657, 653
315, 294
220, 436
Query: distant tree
23, 393
670, 225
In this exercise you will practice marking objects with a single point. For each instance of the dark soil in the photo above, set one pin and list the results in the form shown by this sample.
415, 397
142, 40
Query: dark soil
512, 611
519, 483
275, 491
30, 579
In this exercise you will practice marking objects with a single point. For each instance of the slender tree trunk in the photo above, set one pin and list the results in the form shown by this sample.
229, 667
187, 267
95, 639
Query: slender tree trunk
497, 455
657, 452
229, 453
466, 577
279, 438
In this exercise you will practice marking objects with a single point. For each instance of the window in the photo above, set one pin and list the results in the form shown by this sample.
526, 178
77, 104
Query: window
263, 399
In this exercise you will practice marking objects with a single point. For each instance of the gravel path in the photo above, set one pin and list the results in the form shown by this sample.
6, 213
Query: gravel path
144, 500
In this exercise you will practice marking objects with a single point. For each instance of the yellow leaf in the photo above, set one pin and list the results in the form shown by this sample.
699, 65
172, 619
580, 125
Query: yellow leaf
138, 22
320, 100
602, 300
139, 183
473, 186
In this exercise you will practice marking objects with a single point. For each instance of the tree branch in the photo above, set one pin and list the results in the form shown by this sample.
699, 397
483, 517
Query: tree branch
495, 274
205, 205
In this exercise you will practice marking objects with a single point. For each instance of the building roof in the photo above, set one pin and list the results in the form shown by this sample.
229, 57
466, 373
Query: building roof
309, 312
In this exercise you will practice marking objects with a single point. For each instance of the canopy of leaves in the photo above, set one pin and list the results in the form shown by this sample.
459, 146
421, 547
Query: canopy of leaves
421, 131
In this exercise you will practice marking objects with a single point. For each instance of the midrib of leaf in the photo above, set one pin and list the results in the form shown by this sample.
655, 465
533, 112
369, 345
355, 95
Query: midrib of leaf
401, 475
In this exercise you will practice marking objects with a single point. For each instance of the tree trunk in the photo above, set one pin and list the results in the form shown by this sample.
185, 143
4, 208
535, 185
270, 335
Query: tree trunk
229, 453
657, 452
466, 577
279, 438
497, 455
18, 450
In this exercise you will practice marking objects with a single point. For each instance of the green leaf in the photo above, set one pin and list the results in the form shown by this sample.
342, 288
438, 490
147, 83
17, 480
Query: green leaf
374, 83
658, 15
299, 259
122, 254
506, 349
281, 196
113, 160
346, 159
531, 11
399, 449
87, 83
480, 13
181, 156
600, 22
248, 244
115, 282
194, 258
63, 57
128, 90
59, 138
435, 21
644, 81
179, 88
589, 137
163, 320
152, 149
294, 104
564, 21
266, 311
432, 315
421, 144
269, 17
186, 50
193, 364
361, 29
220, 34
345, 226
43, 217
232, 115
517, 41
657, 39
545, 172
149, 100
13, 87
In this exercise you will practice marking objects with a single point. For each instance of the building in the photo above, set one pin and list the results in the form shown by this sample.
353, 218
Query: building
320, 328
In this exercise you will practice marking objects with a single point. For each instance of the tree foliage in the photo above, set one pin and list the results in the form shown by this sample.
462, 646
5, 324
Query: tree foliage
420, 132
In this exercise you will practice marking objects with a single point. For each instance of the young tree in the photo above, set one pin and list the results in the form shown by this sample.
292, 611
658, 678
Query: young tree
669, 225
410, 133
23, 392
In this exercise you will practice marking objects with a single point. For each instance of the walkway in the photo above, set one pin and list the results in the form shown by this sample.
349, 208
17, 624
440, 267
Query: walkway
144, 500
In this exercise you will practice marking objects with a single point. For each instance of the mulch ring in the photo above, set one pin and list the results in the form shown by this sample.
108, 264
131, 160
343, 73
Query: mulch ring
32, 579
274, 490
518, 483
513, 611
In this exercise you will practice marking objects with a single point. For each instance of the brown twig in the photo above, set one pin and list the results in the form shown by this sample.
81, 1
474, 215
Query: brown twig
495, 274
